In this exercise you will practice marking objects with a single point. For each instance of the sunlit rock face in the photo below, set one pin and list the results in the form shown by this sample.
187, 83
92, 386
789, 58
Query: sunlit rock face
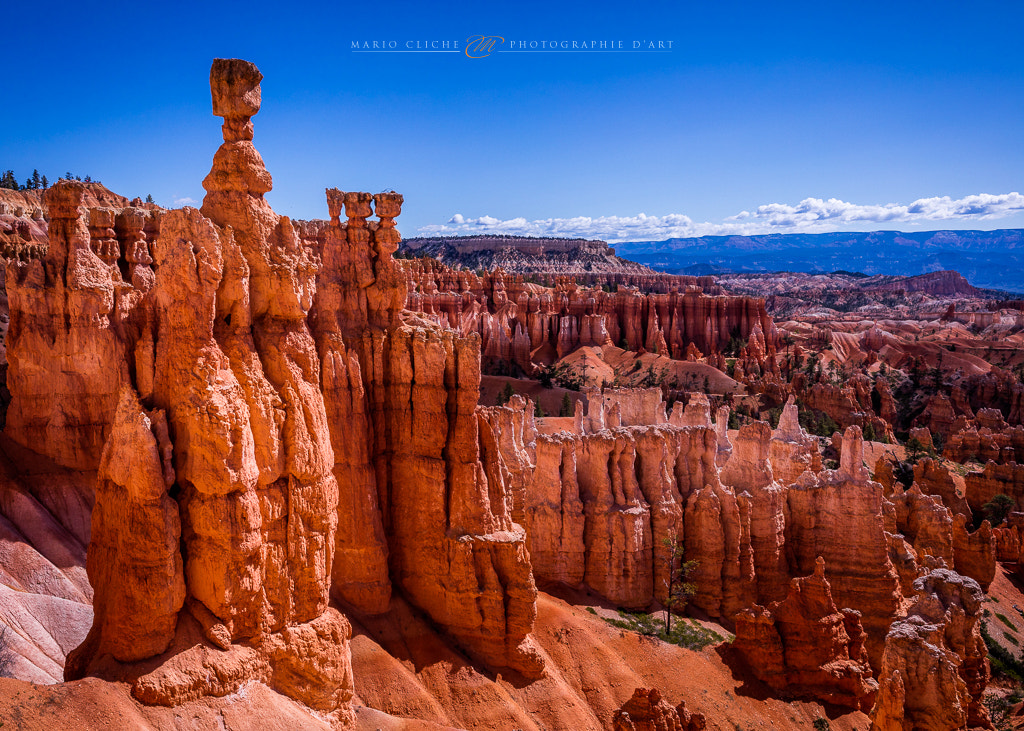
216, 504
268, 431
934, 667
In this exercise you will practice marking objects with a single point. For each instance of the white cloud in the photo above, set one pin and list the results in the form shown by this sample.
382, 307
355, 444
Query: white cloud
609, 228
186, 201
834, 212
811, 215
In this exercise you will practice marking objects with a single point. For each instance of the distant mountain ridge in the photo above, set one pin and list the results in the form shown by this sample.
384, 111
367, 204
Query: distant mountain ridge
789, 294
989, 259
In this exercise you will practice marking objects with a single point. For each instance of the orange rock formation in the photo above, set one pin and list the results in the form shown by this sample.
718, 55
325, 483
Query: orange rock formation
276, 414
222, 423
527, 324
804, 644
648, 711
934, 668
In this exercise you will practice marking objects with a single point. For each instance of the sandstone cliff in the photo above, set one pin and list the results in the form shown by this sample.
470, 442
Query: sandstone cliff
526, 323
215, 505
601, 502
423, 503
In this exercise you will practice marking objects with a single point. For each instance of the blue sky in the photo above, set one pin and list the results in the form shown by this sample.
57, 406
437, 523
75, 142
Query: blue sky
763, 116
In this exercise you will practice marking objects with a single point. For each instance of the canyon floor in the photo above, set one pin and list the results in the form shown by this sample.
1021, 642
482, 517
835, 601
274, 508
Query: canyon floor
408, 677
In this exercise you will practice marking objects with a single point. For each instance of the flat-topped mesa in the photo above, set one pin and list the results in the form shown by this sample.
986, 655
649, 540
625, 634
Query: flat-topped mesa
524, 244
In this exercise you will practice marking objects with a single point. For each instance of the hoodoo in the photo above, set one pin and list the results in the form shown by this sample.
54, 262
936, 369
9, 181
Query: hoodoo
261, 467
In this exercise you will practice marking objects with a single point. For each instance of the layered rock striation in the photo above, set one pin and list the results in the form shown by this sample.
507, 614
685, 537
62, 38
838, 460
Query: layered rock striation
425, 506
279, 422
216, 506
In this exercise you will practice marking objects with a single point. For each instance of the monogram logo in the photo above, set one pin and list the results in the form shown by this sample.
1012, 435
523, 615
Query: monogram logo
482, 46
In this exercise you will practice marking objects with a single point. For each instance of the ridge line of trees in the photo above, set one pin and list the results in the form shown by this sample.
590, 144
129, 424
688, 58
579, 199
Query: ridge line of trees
39, 182
35, 181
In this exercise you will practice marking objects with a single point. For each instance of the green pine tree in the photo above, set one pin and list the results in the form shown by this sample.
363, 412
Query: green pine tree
998, 508
679, 586
505, 395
